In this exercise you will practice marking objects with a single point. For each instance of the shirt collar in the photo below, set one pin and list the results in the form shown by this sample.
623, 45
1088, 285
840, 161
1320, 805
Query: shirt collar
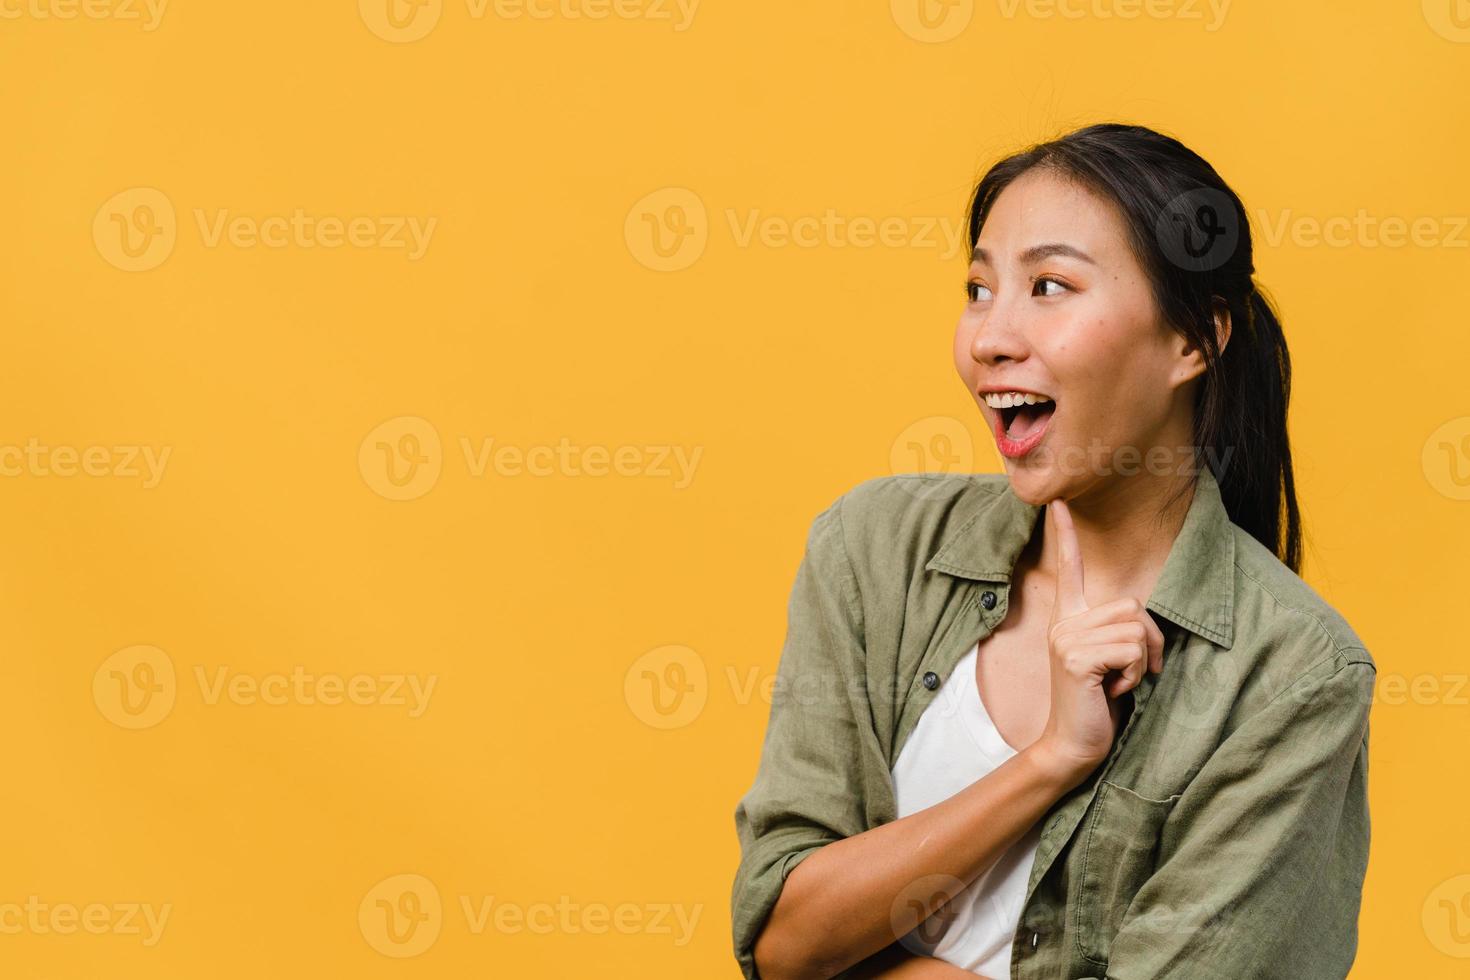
1195, 590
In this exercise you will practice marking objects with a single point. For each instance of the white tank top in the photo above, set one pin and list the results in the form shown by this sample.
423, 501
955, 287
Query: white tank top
954, 744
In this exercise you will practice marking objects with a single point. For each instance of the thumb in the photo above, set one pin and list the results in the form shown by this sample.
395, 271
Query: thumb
1069, 597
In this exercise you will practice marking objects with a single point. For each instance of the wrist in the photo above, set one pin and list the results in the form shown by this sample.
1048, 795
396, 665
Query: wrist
1057, 769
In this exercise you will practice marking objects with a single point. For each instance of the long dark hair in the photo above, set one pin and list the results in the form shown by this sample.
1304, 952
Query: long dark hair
1191, 234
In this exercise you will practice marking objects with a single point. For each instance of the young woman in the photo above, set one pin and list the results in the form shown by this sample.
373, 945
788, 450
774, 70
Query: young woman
1082, 719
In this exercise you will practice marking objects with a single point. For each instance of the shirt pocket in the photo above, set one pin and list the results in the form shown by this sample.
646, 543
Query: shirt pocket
1120, 847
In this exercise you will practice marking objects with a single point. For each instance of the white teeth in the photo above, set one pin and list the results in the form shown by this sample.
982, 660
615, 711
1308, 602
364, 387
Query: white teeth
1010, 399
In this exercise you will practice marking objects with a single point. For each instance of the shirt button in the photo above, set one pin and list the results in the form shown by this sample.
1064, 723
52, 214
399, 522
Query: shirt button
987, 599
931, 680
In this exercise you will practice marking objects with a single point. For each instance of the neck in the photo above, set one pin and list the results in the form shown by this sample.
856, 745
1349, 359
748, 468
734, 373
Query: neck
1124, 532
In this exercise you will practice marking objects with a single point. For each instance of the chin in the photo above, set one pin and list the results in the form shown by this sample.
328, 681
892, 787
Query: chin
1032, 486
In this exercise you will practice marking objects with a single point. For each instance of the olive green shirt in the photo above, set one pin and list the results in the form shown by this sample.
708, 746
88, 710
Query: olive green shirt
1226, 835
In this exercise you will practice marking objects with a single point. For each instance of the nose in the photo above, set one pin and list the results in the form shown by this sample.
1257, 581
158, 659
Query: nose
998, 337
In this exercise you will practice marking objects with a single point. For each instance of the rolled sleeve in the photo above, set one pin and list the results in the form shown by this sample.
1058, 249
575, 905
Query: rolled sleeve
819, 748
1261, 861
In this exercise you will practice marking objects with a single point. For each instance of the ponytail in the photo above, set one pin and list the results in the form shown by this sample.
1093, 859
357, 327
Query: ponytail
1240, 421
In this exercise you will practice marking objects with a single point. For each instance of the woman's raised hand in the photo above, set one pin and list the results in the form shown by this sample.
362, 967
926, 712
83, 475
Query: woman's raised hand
1096, 655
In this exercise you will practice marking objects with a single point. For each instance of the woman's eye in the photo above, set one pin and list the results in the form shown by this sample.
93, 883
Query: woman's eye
1045, 281
977, 292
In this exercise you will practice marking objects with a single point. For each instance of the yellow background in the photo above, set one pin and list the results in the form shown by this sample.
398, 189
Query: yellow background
547, 150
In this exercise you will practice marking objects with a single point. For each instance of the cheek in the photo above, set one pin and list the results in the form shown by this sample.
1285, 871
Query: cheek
1104, 339
1118, 336
1110, 367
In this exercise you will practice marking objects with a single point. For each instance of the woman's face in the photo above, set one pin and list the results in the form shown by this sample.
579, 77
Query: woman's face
1059, 306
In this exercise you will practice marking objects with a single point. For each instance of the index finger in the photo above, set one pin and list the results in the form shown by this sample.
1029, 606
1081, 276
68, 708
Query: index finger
1069, 597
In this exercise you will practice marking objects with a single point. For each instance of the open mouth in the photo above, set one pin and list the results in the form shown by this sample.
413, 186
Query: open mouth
1022, 418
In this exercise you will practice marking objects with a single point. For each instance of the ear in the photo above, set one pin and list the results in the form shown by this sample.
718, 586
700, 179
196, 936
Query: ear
1191, 358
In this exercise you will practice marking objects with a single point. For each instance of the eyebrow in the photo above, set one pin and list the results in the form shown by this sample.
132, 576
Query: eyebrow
1038, 252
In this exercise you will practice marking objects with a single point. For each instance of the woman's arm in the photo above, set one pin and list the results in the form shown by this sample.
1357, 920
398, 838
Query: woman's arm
897, 963
853, 897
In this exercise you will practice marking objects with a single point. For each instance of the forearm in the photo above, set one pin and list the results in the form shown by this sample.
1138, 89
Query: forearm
855, 896
897, 963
